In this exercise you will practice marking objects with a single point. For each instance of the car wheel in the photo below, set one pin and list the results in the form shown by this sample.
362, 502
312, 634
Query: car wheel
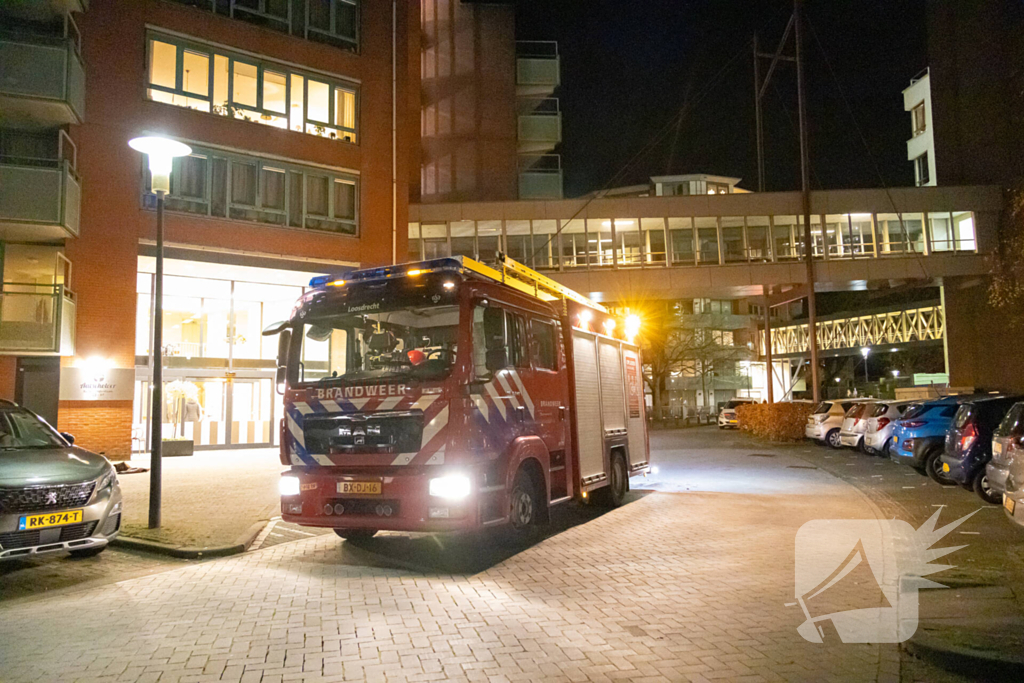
355, 534
832, 439
933, 466
984, 490
88, 552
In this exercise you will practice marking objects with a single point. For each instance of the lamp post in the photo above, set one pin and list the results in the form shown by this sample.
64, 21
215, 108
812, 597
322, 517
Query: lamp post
864, 351
161, 153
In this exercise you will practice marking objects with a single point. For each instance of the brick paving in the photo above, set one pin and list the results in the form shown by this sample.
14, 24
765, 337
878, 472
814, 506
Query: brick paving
209, 499
672, 587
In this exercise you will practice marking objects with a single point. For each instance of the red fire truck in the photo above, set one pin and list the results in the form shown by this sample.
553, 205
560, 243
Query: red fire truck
447, 394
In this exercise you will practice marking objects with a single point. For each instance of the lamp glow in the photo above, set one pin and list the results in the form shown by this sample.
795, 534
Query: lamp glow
609, 326
864, 351
161, 153
414, 272
632, 325
895, 374
337, 283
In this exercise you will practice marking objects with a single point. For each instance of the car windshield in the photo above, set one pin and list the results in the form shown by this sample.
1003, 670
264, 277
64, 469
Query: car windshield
855, 410
879, 409
380, 342
20, 430
731, 405
823, 407
1013, 422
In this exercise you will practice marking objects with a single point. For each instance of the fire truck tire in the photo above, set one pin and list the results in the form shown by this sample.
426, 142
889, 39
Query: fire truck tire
355, 534
525, 503
618, 483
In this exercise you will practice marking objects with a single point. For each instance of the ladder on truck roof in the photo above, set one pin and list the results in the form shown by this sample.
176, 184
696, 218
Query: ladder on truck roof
525, 279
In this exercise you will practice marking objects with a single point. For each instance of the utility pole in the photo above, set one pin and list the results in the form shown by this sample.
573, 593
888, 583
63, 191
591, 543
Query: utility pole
812, 315
768, 344
757, 115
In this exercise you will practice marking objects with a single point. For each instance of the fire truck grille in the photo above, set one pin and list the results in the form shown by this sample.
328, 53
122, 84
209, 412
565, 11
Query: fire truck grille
34, 498
362, 434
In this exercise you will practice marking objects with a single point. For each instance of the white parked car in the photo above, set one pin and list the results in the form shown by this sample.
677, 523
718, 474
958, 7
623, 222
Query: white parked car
727, 415
880, 423
851, 433
825, 423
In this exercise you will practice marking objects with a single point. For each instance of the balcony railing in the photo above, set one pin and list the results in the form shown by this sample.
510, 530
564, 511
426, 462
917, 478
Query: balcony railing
538, 64
540, 124
40, 199
36, 319
540, 176
43, 80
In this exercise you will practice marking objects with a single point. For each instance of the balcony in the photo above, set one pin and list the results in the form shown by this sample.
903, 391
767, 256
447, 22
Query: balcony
40, 199
36, 319
538, 67
540, 125
540, 176
43, 81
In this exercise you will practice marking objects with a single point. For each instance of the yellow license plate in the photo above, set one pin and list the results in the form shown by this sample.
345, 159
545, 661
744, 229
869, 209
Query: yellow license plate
362, 488
945, 467
29, 522
1008, 503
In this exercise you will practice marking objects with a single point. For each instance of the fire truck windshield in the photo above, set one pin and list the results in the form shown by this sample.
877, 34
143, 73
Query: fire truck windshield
407, 342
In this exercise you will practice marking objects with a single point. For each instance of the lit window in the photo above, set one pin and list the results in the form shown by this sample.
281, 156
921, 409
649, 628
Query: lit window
182, 73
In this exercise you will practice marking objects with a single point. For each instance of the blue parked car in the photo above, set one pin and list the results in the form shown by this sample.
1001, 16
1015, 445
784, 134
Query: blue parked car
969, 443
920, 436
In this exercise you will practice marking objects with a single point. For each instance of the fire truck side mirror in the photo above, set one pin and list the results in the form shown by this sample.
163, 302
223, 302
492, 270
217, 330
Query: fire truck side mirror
284, 342
497, 359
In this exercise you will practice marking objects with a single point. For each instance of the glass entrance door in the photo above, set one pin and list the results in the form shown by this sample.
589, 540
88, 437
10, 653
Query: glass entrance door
214, 412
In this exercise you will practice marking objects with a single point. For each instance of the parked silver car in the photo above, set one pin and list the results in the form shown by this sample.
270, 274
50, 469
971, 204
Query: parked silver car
880, 423
1005, 472
53, 496
851, 434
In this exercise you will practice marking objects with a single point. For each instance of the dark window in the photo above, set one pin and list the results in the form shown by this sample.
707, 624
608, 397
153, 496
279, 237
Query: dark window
515, 327
220, 187
923, 174
344, 200
544, 345
243, 184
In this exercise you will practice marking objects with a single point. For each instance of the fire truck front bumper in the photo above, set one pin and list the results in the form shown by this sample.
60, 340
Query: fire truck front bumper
395, 499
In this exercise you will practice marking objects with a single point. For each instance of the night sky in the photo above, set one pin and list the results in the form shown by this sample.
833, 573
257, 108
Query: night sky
629, 68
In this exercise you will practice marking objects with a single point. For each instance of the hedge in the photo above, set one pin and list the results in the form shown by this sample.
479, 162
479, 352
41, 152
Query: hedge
774, 421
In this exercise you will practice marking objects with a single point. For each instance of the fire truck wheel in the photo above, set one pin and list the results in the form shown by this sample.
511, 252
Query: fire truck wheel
355, 534
613, 494
525, 503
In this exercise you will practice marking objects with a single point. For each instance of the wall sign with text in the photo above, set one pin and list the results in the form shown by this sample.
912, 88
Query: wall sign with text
90, 384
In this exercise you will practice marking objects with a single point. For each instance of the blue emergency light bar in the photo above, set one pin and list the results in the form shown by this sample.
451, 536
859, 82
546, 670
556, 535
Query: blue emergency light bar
385, 272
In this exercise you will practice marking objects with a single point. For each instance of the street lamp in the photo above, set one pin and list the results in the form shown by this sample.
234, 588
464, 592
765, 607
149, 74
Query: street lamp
895, 374
864, 351
161, 153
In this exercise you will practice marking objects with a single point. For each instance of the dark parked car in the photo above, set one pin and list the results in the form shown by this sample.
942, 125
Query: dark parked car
53, 496
969, 443
1007, 445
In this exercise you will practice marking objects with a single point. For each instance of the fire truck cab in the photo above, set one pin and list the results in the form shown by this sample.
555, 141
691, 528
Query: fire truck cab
448, 395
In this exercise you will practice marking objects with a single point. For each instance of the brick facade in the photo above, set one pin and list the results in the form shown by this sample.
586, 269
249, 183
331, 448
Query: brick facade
100, 426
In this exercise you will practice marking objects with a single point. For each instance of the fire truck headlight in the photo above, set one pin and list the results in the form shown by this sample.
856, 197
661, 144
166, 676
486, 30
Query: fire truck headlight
288, 486
452, 487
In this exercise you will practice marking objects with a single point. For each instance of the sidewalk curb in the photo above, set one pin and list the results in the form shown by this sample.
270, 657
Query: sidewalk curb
967, 662
239, 546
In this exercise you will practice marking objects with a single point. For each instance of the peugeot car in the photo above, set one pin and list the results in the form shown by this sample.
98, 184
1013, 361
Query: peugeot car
53, 496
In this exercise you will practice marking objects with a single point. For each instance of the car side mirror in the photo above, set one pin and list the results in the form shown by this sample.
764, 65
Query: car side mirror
70, 438
284, 343
497, 359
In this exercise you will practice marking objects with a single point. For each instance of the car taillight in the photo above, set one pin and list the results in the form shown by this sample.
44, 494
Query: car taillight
856, 421
882, 422
913, 424
967, 436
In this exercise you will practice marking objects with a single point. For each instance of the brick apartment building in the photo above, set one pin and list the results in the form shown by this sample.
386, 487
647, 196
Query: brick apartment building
312, 123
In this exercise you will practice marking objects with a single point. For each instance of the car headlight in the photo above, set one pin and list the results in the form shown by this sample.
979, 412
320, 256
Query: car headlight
107, 481
452, 487
288, 486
